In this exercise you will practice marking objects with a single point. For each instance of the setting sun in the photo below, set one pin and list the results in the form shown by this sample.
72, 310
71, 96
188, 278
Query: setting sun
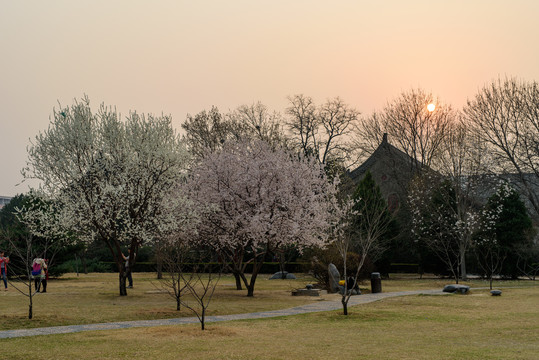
431, 107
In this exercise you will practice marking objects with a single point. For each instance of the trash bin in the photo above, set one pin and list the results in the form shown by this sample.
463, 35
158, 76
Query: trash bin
376, 283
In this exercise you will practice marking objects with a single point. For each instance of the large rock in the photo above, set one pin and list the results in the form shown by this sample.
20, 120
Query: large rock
334, 277
496, 292
279, 275
456, 288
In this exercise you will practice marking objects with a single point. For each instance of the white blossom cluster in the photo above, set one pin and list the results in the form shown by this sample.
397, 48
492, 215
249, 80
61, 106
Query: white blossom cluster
105, 178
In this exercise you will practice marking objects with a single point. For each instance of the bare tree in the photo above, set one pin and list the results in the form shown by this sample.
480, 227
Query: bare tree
415, 129
322, 132
175, 255
208, 131
23, 250
201, 283
505, 116
528, 260
363, 224
490, 256
255, 121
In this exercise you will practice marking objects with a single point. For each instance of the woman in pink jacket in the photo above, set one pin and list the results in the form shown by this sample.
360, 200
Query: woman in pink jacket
3, 268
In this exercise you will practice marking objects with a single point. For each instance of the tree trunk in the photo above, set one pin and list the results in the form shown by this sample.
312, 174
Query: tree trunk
84, 265
344, 305
123, 280
77, 265
238, 281
282, 266
203, 317
463, 273
159, 269
30, 313
251, 286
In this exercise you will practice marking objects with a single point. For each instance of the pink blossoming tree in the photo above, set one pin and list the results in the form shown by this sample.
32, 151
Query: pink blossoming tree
257, 201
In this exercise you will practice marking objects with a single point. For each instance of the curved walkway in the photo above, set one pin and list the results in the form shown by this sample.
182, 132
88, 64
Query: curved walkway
309, 308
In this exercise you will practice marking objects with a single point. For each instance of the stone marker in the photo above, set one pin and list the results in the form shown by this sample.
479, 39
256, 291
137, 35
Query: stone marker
308, 291
456, 288
279, 275
496, 292
334, 277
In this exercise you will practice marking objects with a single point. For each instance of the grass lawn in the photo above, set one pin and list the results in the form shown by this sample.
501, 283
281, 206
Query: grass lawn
474, 326
93, 298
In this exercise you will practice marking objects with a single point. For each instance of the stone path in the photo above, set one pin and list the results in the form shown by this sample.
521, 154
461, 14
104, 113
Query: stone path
309, 308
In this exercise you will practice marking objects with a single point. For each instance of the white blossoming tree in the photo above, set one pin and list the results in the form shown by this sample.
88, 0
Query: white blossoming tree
108, 177
262, 200
443, 220
488, 250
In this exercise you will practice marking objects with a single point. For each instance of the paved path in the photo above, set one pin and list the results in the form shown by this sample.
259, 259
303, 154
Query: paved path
309, 308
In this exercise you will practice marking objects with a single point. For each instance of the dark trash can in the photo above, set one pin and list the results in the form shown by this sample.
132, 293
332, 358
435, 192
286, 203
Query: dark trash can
376, 283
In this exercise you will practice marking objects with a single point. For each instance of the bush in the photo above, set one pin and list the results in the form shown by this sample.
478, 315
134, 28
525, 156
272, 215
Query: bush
92, 265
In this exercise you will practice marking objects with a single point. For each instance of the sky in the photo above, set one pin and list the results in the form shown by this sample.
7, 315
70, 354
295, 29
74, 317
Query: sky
181, 57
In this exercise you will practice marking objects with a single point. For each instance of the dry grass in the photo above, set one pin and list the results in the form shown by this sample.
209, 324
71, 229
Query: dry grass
475, 326
93, 298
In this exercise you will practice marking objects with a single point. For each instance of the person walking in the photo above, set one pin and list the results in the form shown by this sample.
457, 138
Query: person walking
3, 268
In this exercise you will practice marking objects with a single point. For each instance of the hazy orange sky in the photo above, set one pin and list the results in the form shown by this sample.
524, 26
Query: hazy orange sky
178, 57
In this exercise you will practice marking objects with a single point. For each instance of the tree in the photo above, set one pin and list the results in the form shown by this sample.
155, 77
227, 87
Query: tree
488, 250
415, 130
505, 116
462, 163
107, 177
513, 227
258, 200
364, 225
322, 131
175, 257
201, 282
207, 131
255, 121
18, 239
443, 220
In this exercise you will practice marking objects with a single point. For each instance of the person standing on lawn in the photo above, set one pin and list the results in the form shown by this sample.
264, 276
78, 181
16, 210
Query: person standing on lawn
46, 276
3, 268
128, 271
38, 272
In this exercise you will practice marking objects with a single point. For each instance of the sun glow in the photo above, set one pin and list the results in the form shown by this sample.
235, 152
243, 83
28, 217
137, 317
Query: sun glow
431, 107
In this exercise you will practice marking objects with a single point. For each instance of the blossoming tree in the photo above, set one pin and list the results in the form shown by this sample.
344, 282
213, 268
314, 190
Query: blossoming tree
108, 177
261, 200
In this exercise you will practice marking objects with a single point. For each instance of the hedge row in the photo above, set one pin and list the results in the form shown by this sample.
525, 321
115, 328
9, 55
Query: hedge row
267, 267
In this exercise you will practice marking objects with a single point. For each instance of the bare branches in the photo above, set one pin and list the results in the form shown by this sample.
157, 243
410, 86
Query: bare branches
321, 132
504, 115
201, 283
412, 127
